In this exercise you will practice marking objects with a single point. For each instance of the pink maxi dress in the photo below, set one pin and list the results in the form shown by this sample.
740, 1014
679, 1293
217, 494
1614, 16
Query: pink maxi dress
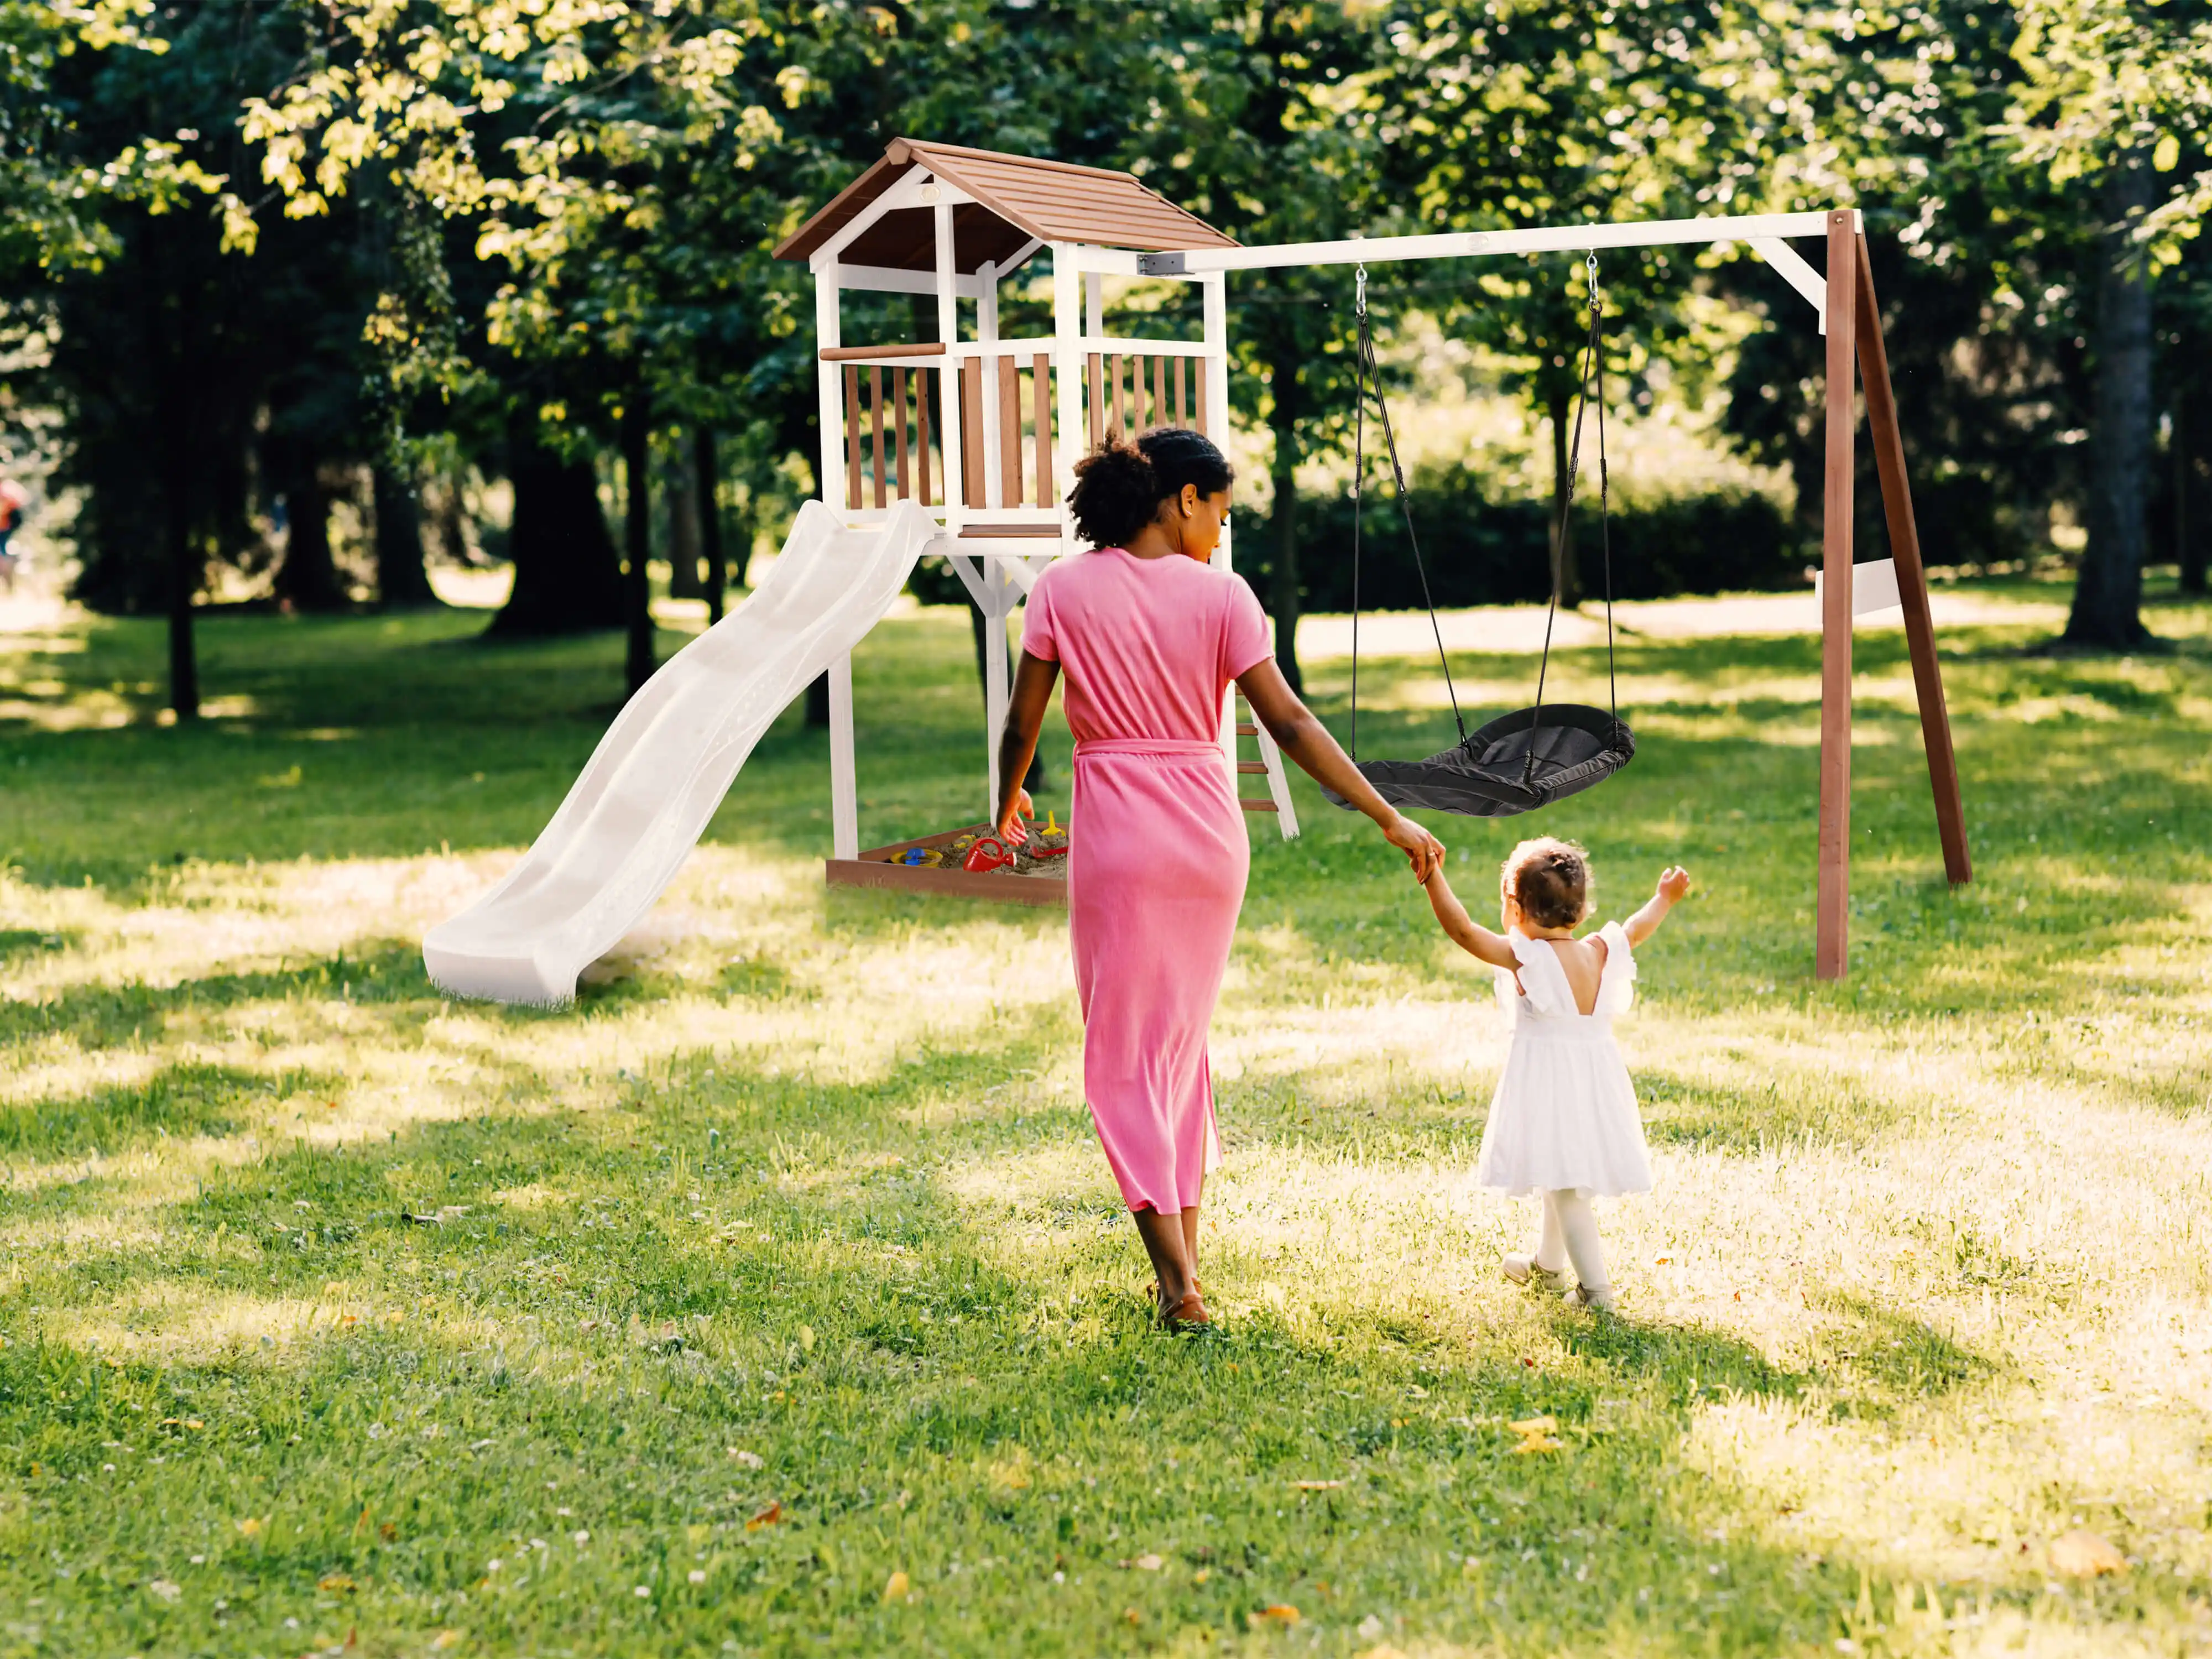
1156, 856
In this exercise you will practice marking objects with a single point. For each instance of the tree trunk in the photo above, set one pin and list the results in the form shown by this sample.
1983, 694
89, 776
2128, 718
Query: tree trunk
637, 504
308, 578
184, 573
1558, 403
568, 579
1283, 589
402, 581
2108, 594
680, 489
707, 474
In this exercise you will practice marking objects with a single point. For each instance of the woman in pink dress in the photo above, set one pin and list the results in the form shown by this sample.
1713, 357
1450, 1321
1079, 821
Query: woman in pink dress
1150, 638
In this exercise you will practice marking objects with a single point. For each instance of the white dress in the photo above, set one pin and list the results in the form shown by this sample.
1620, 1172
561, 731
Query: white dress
1564, 1114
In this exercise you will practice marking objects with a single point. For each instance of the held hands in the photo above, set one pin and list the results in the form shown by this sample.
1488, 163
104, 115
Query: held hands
1010, 826
1673, 883
1422, 850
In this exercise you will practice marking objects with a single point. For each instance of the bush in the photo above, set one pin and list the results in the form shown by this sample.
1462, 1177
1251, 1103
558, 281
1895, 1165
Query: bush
1481, 551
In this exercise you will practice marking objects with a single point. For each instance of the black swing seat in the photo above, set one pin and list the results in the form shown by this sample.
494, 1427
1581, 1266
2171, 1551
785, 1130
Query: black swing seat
1488, 774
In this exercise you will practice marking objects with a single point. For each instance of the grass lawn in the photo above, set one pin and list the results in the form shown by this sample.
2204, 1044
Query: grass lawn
775, 1298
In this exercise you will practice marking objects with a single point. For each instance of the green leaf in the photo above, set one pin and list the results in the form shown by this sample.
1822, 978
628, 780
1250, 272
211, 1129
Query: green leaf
2168, 155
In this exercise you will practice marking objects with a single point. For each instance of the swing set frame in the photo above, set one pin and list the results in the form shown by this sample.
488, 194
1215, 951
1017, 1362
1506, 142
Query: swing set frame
953, 223
1856, 361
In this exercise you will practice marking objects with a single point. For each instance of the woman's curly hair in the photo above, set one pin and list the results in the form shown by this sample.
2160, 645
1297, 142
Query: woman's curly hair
1552, 880
1119, 485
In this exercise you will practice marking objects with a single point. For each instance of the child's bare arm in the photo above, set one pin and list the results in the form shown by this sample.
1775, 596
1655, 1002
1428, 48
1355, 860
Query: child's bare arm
1673, 885
1468, 933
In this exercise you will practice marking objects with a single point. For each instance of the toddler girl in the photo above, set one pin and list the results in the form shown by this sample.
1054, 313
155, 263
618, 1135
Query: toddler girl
1564, 1121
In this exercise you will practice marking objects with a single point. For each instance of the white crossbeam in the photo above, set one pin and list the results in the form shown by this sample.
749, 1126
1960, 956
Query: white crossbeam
1463, 245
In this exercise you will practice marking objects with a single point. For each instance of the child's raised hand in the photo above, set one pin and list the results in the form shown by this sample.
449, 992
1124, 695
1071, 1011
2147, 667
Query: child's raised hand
1674, 883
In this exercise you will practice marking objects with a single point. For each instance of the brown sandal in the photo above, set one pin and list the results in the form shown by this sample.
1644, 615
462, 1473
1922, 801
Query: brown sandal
1188, 1314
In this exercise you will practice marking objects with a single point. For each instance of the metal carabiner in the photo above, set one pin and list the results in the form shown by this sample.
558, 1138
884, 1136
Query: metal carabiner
1359, 291
1592, 263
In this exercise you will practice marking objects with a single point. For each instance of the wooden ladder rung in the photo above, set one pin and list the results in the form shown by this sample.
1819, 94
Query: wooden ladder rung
1251, 766
1251, 805
1245, 729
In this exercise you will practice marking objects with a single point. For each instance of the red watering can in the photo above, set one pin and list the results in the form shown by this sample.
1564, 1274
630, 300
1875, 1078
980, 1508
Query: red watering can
987, 854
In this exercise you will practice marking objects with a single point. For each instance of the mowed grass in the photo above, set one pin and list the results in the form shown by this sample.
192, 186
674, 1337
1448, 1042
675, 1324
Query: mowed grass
775, 1298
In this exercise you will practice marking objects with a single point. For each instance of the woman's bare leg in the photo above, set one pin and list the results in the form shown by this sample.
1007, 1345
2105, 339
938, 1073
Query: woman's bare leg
1166, 1243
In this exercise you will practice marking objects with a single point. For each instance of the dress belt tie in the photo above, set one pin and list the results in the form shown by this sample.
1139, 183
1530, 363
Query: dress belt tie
1172, 746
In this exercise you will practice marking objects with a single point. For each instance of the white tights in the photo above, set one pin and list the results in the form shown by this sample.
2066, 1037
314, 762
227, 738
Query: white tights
1569, 1234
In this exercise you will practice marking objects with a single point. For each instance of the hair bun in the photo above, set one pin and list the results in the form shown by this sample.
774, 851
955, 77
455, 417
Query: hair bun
1119, 486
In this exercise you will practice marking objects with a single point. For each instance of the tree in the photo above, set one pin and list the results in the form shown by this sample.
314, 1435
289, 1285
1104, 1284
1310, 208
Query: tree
2108, 95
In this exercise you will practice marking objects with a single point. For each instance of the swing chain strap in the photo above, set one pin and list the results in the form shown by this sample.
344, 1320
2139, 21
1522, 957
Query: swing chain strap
1358, 476
1591, 365
1374, 369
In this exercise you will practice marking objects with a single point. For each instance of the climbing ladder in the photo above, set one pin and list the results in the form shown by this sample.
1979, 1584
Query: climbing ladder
1269, 766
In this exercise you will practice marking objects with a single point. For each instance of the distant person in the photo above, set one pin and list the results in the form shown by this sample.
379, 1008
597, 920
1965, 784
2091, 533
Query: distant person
1564, 1124
14, 499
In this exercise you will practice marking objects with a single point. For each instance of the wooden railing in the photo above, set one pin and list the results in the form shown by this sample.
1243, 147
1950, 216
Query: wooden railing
888, 431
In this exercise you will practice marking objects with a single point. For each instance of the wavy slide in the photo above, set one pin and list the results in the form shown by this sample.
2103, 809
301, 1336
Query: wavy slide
663, 767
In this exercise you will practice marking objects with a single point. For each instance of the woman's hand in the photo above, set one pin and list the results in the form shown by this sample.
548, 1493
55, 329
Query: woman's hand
1422, 850
1010, 825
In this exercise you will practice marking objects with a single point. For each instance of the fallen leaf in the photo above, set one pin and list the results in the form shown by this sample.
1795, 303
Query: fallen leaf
1281, 1613
767, 1518
1535, 1426
1145, 1563
250, 1526
335, 1583
167, 1589
2082, 1554
388, 1533
751, 1460
806, 1338
1201, 1575
1315, 1486
446, 1638
1131, 1614
896, 1587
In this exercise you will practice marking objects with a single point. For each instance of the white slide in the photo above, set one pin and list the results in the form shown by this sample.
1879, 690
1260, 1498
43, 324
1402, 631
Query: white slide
645, 797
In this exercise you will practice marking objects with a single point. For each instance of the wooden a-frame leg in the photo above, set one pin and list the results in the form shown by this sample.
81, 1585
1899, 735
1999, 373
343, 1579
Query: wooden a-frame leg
1911, 577
1834, 904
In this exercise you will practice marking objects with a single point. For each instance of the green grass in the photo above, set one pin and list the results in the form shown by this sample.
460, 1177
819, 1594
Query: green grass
785, 1262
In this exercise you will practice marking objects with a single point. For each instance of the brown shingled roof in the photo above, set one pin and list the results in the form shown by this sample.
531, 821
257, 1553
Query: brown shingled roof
1016, 197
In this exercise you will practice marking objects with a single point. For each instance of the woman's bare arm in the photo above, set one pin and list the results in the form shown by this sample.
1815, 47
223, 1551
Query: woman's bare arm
1470, 935
1306, 740
1034, 679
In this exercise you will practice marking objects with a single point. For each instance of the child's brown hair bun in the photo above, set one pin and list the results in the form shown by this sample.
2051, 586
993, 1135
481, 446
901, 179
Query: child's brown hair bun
1550, 878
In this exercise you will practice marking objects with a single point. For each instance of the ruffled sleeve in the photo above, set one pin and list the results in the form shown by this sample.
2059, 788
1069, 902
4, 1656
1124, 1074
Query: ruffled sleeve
1616, 987
1542, 980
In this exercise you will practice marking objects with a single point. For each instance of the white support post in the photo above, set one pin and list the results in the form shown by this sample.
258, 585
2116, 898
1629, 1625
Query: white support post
1094, 304
830, 390
844, 788
1068, 375
1215, 294
948, 382
1002, 593
986, 334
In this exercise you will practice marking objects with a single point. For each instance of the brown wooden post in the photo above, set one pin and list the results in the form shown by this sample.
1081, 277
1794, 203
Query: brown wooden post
1832, 907
971, 434
1009, 432
852, 436
1041, 418
1911, 577
876, 426
898, 419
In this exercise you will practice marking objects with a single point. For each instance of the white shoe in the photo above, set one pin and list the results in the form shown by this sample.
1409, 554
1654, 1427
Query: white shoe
1522, 1268
1582, 1296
